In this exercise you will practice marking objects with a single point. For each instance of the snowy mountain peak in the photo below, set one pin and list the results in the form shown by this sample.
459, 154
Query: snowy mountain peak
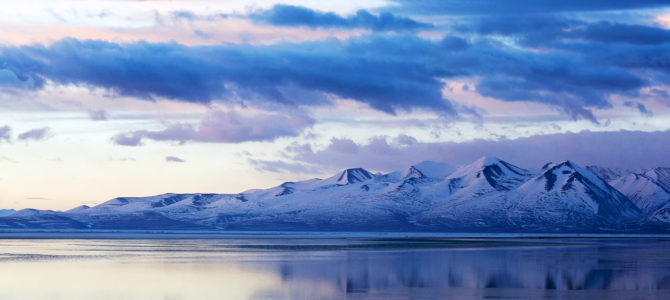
568, 186
355, 175
660, 176
608, 174
548, 166
488, 194
28, 212
490, 172
430, 169
287, 188
643, 191
487, 161
413, 172
4, 212
564, 174
349, 176
78, 209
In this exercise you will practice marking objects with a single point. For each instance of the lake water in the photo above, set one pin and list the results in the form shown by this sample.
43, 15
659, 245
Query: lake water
336, 268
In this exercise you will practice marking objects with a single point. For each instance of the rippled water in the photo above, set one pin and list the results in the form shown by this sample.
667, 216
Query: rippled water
335, 268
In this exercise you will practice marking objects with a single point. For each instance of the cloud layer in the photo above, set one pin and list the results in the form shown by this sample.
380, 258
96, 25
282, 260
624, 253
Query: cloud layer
579, 66
478, 7
625, 149
224, 127
289, 15
358, 69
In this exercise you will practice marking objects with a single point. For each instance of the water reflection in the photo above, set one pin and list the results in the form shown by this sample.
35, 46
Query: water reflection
335, 269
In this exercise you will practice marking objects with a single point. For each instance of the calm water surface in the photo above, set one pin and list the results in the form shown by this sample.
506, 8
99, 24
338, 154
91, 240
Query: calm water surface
335, 268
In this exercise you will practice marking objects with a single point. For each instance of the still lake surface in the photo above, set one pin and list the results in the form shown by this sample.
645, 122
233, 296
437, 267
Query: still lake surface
294, 267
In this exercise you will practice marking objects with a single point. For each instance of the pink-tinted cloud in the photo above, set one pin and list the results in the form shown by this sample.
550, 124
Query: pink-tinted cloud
225, 127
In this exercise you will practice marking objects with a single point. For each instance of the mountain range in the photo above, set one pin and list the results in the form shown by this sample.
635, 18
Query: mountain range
488, 195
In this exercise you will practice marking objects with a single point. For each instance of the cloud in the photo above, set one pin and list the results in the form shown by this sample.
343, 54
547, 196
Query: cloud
122, 159
277, 166
659, 93
616, 32
225, 127
184, 14
639, 106
35, 134
360, 69
5, 133
480, 7
625, 149
174, 159
98, 115
289, 15
405, 140
386, 71
541, 30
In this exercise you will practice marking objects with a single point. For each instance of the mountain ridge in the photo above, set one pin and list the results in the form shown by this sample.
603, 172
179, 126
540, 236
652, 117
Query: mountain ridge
488, 195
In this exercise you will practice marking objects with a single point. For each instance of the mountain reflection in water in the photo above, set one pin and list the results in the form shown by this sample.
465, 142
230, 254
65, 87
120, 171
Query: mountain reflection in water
335, 268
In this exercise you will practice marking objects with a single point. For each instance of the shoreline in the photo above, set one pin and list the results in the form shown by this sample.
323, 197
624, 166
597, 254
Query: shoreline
178, 234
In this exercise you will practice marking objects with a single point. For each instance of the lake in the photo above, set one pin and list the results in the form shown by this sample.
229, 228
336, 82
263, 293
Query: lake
331, 267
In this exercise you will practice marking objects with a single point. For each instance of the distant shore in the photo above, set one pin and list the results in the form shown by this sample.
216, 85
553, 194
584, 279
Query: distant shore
167, 234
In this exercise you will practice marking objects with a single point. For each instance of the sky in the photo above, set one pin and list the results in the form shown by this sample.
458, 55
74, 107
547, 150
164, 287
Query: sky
101, 99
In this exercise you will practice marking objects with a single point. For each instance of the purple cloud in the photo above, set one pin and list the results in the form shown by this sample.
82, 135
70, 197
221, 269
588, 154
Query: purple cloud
174, 159
225, 127
5, 133
405, 140
35, 134
624, 149
277, 166
98, 115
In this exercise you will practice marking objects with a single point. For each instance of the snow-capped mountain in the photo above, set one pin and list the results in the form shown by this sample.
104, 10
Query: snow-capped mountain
608, 174
486, 195
648, 189
643, 191
472, 197
4, 212
569, 194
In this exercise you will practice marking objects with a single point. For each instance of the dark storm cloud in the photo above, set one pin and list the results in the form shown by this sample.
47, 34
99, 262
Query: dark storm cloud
386, 79
540, 30
289, 15
387, 72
